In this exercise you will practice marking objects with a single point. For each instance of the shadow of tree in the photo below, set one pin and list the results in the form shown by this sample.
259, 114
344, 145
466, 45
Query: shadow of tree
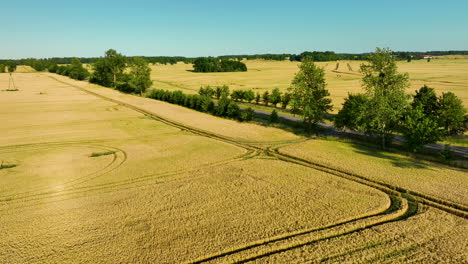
400, 162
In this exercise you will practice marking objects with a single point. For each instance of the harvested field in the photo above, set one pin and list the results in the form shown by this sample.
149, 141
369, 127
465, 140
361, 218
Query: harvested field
107, 177
342, 77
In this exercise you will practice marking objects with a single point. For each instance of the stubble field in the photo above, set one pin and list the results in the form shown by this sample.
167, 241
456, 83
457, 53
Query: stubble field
99, 176
445, 74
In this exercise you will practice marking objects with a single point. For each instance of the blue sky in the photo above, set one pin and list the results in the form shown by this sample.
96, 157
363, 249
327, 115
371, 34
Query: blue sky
84, 28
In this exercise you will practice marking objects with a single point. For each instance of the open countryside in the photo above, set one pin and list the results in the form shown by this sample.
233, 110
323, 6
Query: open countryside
343, 77
139, 138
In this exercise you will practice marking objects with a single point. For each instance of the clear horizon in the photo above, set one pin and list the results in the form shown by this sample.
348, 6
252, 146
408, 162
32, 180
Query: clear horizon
210, 28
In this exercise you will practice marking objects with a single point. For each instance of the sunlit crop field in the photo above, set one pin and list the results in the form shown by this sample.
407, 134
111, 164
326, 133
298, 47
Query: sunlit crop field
426, 177
88, 179
342, 77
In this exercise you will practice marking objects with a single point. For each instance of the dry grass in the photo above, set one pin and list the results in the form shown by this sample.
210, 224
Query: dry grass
398, 170
443, 75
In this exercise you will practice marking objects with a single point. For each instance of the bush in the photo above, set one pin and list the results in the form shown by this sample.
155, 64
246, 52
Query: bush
247, 115
225, 107
274, 118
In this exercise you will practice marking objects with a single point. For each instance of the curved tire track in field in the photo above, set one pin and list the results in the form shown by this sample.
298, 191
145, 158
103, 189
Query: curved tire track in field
410, 197
115, 163
124, 184
302, 234
121, 185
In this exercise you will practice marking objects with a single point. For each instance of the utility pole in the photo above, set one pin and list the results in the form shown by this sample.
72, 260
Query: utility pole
11, 84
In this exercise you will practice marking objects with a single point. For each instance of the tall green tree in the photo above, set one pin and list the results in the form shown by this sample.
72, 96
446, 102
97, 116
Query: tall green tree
385, 88
108, 69
309, 94
451, 114
2, 68
140, 75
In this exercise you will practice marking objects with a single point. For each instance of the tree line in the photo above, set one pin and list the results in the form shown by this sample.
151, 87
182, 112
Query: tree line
42, 64
75, 70
225, 107
211, 64
9, 66
248, 95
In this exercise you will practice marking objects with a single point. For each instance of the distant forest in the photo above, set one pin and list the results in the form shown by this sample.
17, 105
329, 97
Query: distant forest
42, 64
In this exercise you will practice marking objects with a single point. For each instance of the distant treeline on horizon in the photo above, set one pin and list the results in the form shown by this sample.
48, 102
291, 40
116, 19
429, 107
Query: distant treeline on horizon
315, 55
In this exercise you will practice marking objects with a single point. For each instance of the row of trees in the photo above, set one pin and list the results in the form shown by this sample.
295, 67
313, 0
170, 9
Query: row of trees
307, 95
9, 66
276, 97
126, 75
211, 64
225, 107
385, 109
75, 70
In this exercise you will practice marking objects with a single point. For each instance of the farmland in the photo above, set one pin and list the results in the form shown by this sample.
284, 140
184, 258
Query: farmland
442, 74
100, 175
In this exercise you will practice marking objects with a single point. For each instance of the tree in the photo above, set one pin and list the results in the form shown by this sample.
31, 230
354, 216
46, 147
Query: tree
108, 69
275, 96
285, 99
427, 98
247, 115
221, 108
225, 91
451, 114
419, 129
2, 68
309, 94
266, 97
11, 66
257, 98
237, 95
385, 88
52, 68
206, 91
218, 92
249, 96
232, 110
76, 70
274, 116
117, 63
140, 75
353, 109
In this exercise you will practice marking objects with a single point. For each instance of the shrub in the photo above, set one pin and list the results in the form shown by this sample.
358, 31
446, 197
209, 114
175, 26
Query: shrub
274, 117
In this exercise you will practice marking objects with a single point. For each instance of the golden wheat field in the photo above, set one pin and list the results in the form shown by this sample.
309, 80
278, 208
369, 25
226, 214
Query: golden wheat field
91, 175
343, 77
